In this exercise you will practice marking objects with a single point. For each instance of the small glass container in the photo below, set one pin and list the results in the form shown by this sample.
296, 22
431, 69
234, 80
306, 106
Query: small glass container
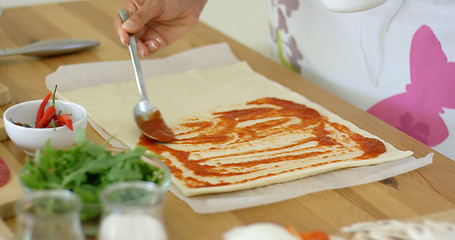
48, 215
133, 210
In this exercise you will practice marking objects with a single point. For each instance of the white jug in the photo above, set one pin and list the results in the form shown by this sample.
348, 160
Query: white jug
351, 5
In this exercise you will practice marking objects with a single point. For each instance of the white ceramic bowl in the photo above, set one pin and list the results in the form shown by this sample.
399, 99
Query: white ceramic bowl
32, 139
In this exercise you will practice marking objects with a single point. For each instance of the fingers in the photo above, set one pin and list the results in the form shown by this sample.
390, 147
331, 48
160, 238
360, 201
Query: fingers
154, 44
157, 23
124, 37
149, 39
121, 34
153, 40
140, 15
141, 12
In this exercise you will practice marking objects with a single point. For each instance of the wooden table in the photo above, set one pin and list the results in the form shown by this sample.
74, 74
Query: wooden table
425, 191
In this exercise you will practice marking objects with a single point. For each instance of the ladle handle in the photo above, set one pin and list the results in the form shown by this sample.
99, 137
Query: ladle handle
135, 57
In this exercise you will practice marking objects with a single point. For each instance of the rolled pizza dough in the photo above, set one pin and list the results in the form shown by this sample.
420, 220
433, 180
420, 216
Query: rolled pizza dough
197, 94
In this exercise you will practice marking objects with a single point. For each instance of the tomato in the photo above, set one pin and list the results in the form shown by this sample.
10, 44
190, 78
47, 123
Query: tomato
314, 235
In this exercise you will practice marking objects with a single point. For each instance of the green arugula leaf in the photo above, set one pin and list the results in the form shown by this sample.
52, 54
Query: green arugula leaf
87, 168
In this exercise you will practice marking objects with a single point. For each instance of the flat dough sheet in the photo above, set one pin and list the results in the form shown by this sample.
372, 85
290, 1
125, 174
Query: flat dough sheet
182, 95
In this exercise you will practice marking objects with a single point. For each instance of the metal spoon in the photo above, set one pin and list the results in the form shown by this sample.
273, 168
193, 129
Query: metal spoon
148, 117
47, 48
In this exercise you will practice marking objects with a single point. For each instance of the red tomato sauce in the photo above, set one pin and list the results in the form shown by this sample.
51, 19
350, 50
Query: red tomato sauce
155, 127
270, 117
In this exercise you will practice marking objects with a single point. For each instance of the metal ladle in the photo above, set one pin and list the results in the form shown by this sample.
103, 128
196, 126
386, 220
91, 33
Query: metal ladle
148, 117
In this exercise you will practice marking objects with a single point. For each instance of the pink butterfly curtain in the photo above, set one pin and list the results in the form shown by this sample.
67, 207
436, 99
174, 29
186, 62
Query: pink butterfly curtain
417, 110
394, 61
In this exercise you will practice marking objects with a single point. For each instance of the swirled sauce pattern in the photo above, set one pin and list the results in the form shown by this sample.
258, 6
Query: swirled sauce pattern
258, 140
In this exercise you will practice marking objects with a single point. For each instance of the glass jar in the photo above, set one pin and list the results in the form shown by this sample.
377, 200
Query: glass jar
133, 210
48, 215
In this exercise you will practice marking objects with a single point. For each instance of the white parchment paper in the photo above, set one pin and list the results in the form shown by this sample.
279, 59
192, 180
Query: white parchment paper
71, 77
278, 192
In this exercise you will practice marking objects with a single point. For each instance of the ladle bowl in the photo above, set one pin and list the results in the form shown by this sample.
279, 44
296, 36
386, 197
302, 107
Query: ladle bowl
147, 116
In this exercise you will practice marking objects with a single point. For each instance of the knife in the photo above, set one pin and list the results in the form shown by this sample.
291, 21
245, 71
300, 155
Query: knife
48, 48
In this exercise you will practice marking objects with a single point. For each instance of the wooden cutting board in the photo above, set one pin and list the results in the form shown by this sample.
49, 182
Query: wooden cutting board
3, 135
5, 232
5, 98
9, 193
12, 190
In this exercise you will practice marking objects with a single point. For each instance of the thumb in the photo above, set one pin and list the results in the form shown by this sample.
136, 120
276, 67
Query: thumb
140, 17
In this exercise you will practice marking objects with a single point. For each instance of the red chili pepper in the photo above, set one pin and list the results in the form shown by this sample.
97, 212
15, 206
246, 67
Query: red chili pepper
49, 114
47, 118
40, 112
55, 123
59, 123
66, 119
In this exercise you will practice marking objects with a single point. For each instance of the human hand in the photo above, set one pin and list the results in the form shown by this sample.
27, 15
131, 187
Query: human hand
157, 23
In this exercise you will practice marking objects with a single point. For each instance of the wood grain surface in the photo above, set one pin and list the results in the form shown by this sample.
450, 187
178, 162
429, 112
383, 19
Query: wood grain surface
412, 195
